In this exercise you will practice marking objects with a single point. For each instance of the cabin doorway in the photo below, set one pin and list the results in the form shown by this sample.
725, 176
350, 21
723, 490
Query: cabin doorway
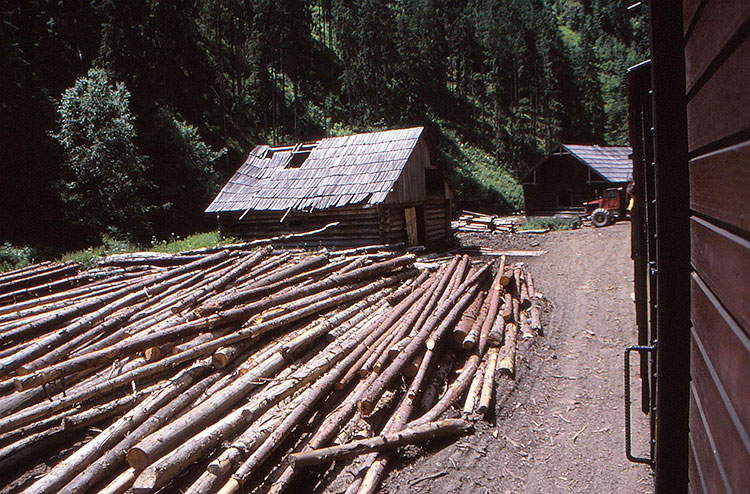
415, 227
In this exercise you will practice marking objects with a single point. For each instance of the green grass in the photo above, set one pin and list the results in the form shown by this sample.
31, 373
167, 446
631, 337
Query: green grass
191, 242
477, 180
90, 255
551, 223
87, 257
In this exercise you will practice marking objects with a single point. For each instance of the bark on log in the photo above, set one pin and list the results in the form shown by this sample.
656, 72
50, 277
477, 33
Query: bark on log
468, 321
115, 457
410, 435
65, 470
394, 368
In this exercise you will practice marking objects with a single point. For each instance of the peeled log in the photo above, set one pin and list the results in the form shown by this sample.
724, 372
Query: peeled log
473, 394
508, 351
488, 383
115, 457
411, 435
536, 319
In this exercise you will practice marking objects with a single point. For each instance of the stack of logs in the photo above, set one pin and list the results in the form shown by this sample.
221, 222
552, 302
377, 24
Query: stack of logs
472, 222
237, 370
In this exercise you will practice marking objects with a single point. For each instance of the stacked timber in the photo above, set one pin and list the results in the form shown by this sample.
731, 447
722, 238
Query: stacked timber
472, 222
241, 370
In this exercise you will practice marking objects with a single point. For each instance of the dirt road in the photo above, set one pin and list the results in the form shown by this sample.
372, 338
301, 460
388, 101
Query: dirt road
559, 426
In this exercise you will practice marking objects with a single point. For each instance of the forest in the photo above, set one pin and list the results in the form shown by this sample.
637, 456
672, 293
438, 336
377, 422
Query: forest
121, 119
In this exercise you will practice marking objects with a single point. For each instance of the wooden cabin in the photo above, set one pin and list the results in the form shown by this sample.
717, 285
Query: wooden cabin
689, 111
379, 187
573, 174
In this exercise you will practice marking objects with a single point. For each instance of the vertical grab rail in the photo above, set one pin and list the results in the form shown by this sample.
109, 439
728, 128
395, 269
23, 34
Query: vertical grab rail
628, 441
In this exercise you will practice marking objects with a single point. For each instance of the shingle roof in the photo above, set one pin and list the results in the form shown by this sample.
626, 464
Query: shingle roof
360, 168
611, 162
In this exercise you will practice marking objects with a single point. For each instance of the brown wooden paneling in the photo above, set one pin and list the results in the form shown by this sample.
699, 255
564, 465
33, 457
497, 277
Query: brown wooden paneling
708, 468
726, 345
411, 185
732, 454
718, 22
722, 259
718, 183
689, 9
695, 485
719, 108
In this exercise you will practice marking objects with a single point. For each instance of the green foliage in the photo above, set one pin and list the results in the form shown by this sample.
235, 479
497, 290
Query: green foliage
504, 80
86, 257
14, 257
476, 180
191, 242
110, 245
103, 187
183, 173
551, 223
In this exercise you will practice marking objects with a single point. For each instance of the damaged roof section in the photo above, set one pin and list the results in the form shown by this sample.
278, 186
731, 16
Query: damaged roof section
333, 172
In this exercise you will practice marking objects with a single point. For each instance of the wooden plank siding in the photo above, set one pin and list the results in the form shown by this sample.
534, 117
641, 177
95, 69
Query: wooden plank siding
717, 75
716, 418
720, 20
356, 225
717, 180
411, 186
723, 261
726, 346
719, 107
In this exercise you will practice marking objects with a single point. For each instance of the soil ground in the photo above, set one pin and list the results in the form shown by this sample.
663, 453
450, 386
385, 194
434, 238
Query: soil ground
559, 427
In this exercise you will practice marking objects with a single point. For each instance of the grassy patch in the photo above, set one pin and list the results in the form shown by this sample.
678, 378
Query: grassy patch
90, 255
551, 223
87, 257
191, 242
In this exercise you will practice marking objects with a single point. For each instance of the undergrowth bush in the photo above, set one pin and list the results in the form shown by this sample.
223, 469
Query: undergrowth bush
14, 257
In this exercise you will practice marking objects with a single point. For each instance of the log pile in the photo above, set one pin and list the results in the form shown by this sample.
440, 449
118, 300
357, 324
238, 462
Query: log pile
473, 222
233, 370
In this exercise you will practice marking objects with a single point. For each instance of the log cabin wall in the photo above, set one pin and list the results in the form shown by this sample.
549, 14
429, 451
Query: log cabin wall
717, 83
357, 225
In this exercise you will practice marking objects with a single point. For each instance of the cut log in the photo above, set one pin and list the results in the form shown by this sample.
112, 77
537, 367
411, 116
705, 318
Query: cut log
410, 435
488, 382
507, 361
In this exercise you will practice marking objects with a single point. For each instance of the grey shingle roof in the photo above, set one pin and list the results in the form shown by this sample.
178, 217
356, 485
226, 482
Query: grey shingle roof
360, 168
611, 162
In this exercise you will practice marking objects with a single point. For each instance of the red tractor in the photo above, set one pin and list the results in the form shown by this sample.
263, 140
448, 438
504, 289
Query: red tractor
610, 207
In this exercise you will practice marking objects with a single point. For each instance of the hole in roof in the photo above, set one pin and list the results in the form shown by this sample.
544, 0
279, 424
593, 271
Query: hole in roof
297, 159
298, 153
